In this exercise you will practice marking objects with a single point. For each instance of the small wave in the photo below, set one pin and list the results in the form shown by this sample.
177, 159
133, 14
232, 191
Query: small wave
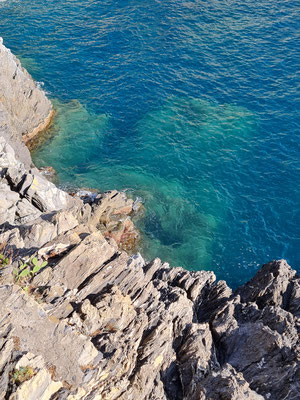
189, 104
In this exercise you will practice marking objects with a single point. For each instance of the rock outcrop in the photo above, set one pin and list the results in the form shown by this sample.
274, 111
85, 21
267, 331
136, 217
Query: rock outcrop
106, 325
94, 322
24, 107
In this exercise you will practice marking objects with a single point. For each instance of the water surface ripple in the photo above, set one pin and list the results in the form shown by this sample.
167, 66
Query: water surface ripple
191, 105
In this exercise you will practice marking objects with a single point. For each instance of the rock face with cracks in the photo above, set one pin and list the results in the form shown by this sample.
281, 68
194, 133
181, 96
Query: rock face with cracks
97, 323
24, 107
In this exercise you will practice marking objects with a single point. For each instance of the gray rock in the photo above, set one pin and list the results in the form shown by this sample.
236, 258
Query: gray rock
282, 322
98, 323
196, 358
26, 212
24, 108
8, 201
294, 300
44, 195
269, 286
41, 385
82, 262
222, 385
35, 331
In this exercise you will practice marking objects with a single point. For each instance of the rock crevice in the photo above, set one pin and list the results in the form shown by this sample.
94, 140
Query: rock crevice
24, 107
99, 323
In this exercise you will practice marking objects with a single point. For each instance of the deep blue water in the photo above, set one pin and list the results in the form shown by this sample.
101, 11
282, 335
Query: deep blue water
191, 105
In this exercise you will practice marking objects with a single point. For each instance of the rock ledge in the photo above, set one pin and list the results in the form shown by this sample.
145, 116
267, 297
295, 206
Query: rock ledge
97, 323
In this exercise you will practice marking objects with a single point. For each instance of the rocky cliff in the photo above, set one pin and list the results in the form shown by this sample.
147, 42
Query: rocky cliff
82, 319
24, 108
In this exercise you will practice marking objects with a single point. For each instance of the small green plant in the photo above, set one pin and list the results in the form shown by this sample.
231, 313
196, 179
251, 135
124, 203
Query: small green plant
28, 269
4, 261
5, 255
22, 374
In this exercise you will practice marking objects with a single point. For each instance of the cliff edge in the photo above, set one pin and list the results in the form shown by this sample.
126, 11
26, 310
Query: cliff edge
82, 319
24, 107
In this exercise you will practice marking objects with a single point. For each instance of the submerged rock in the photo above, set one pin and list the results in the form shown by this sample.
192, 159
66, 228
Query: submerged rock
97, 323
111, 213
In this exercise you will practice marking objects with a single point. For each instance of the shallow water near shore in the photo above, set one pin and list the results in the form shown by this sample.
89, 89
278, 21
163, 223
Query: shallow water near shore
191, 106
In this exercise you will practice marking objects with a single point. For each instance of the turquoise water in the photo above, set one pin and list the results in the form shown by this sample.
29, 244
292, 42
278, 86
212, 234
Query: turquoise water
190, 105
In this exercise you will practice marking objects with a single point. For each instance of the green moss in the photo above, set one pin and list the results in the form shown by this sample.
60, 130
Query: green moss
22, 374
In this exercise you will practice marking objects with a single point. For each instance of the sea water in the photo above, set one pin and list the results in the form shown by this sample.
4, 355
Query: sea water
190, 105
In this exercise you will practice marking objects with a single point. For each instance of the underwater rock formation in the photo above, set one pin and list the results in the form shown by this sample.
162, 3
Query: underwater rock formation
97, 323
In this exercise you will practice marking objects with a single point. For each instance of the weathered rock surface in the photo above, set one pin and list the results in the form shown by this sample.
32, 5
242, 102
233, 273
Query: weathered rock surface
111, 214
26, 193
97, 323
24, 107
113, 326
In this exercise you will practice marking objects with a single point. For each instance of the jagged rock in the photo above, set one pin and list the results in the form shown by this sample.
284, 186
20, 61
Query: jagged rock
112, 311
253, 336
48, 227
45, 196
25, 212
12, 240
142, 320
7, 155
40, 385
197, 357
82, 262
24, 108
225, 384
111, 213
8, 201
213, 297
223, 321
269, 286
98, 323
34, 331
112, 202
294, 300
87, 196
282, 322
41, 193
16, 176
122, 231
250, 343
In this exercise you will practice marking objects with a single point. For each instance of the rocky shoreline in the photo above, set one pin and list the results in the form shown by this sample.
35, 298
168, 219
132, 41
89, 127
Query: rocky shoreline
84, 319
